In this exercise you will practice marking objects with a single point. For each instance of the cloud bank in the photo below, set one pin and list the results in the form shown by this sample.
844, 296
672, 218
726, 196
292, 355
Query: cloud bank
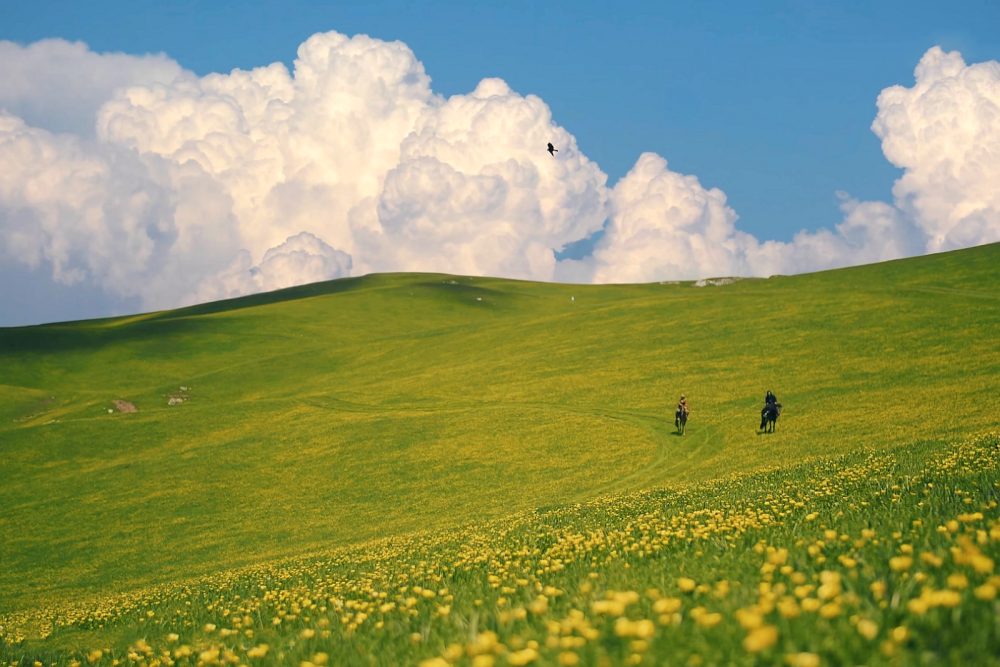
136, 176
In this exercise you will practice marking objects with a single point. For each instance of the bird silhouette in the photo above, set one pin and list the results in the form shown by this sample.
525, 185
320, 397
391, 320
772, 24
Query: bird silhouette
552, 150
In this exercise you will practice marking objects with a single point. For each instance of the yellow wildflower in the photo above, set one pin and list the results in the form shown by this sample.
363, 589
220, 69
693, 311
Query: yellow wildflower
830, 610
777, 557
705, 619
522, 657
435, 662
868, 628
643, 629
931, 559
900, 563
811, 604
802, 660
985, 592
761, 638
750, 620
830, 585
666, 605
788, 607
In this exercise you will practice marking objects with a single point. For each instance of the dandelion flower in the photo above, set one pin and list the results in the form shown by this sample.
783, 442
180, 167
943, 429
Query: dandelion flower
985, 592
868, 629
666, 605
750, 620
761, 638
435, 662
830, 610
900, 563
522, 657
788, 607
568, 659
802, 660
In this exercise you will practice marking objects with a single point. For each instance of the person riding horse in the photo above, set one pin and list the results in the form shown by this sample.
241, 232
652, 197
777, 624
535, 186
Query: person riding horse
680, 417
771, 411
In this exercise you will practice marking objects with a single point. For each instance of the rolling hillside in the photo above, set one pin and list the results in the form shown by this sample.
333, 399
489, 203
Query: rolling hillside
364, 408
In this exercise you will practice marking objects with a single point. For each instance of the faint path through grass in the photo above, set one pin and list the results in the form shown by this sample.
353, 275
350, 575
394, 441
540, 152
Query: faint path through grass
673, 451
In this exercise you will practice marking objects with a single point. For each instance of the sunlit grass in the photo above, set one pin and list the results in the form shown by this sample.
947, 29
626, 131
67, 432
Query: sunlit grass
383, 407
871, 558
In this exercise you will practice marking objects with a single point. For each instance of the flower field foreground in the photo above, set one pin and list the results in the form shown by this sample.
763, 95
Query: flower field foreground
878, 558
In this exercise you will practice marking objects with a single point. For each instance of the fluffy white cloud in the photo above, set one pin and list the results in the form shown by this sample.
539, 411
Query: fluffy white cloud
945, 132
300, 260
666, 226
475, 193
59, 85
135, 225
193, 189
296, 151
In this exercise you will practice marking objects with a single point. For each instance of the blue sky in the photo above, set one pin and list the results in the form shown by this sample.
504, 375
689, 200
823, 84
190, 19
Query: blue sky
770, 101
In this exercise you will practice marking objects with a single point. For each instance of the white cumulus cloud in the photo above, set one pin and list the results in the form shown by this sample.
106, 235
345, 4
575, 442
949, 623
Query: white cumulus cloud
475, 192
945, 132
59, 85
134, 225
300, 260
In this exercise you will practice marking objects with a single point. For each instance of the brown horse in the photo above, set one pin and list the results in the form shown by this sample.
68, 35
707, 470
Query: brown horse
681, 419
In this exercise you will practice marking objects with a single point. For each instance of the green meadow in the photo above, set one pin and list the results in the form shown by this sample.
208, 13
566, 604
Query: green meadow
324, 422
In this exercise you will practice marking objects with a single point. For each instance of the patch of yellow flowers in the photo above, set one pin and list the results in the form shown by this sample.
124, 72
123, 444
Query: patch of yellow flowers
814, 554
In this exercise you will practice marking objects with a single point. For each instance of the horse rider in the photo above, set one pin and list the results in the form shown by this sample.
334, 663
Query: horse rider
770, 403
682, 407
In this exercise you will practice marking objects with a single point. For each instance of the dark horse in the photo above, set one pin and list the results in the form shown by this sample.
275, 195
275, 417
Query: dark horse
681, 419
769, 417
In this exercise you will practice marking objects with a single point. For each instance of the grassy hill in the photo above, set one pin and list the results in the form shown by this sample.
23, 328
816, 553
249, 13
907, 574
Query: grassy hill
373, 407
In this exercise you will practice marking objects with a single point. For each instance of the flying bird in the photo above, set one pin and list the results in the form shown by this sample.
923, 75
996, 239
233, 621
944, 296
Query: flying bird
552, 150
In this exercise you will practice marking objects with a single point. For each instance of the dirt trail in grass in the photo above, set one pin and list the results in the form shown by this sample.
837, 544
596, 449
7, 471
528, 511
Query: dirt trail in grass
674, 453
